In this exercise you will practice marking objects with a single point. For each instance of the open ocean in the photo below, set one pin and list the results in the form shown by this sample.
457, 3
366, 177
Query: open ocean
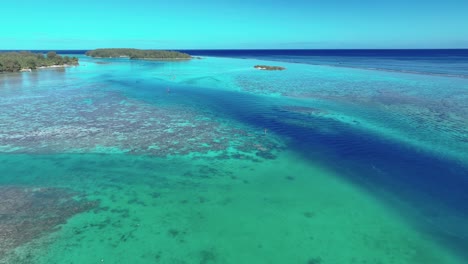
347, 156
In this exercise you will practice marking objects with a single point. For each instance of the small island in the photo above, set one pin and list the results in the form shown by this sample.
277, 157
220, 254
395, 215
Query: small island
28, 61
269, 68
138, 54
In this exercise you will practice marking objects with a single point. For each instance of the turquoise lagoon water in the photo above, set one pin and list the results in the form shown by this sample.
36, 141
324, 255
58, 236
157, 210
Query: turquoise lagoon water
212, 161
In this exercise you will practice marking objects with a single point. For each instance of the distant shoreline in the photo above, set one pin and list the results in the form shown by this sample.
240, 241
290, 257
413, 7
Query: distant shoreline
47, 67
27, 61
138, 54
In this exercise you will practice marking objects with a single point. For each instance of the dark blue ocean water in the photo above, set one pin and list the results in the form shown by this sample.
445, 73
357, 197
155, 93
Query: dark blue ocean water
451, 62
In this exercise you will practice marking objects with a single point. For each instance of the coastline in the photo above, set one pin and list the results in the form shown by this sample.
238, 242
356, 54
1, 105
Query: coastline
57, 66
47, 67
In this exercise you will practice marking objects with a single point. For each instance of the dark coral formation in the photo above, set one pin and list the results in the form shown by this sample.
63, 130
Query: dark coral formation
29, 213
73, 121
314, 261
208, 256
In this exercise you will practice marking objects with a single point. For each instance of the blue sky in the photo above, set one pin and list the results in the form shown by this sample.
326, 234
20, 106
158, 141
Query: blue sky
210, 24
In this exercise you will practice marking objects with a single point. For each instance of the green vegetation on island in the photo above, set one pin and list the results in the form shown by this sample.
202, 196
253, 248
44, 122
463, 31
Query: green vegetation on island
17, 61
269, 68
138, 54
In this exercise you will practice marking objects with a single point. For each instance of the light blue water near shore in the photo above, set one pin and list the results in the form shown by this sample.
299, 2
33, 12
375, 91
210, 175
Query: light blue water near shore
213, 161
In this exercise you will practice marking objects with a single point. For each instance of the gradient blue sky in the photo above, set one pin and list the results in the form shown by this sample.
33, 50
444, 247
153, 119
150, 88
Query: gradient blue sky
211, 24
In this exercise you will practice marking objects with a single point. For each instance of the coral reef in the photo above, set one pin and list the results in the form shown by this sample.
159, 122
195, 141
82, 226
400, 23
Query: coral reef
29, 213
104, 122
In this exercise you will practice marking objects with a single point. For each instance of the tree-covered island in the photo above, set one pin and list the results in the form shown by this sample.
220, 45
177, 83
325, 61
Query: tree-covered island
138, 54
26, 61
269, 68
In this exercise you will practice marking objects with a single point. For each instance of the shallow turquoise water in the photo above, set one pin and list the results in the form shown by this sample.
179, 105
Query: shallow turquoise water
212, 161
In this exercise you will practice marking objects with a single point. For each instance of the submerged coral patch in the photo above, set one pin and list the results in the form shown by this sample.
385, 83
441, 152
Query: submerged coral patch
29, 213
109, 122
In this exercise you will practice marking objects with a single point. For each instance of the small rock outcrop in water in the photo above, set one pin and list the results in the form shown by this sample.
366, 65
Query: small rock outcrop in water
269, 68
